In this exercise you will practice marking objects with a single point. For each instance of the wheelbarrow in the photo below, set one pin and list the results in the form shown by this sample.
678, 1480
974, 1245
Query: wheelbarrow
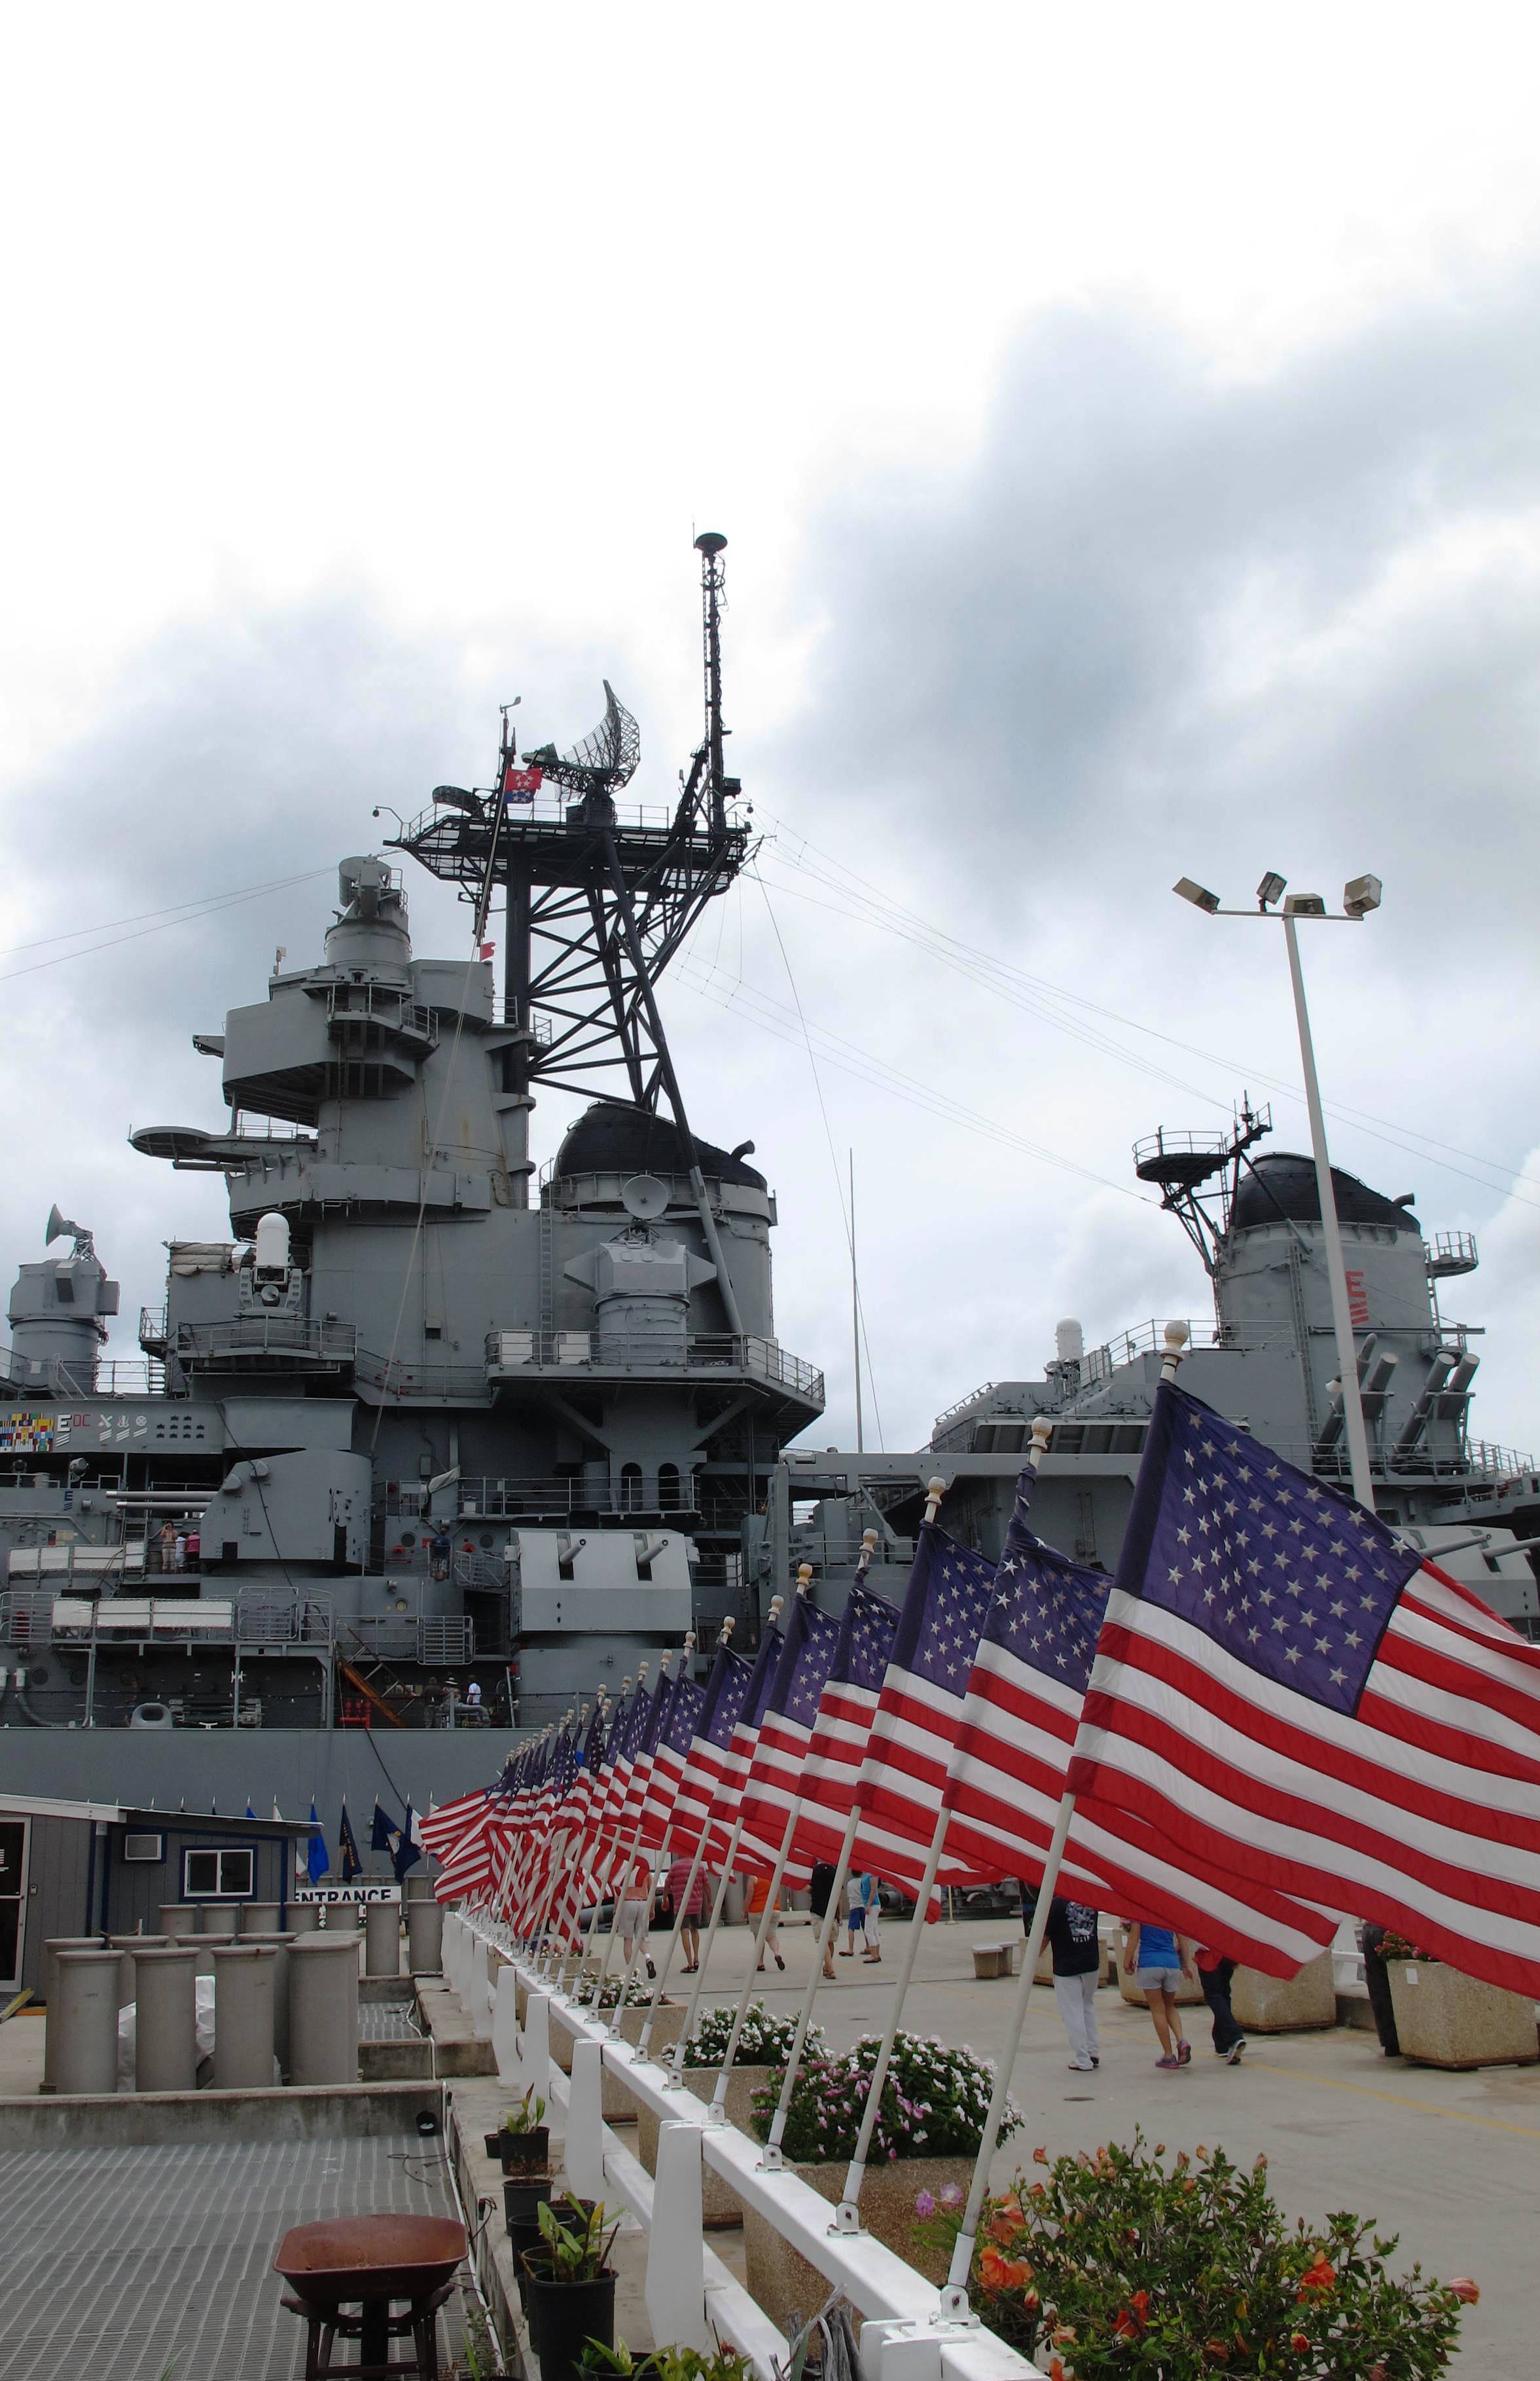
372, 2263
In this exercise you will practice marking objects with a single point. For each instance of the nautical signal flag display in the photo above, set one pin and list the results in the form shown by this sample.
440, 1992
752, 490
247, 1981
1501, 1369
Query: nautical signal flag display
522, 785
1285, 1689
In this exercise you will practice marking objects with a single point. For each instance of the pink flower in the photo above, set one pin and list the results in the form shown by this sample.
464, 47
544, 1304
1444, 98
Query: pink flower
924, 2204
952, 2195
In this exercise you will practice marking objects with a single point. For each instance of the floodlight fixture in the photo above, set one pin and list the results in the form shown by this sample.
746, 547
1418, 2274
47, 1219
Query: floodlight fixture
1199, 895
1361, 894
1270, 889
1304, 904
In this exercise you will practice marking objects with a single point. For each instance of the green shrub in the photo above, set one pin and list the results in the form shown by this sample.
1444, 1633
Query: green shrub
1119, 2265
935, 2099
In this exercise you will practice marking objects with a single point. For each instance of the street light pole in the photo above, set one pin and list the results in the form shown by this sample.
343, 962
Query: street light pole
1361, 895
1341, 1310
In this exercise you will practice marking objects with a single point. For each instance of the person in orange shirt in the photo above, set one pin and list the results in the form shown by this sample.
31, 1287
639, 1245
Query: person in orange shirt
758, 1893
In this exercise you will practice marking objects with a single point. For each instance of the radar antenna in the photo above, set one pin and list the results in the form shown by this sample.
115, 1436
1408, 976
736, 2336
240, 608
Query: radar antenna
603, 761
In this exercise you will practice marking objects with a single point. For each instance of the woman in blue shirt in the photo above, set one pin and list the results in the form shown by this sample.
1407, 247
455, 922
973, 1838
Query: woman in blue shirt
1157, 1959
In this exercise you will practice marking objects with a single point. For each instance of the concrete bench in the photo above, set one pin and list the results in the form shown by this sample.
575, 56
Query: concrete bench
995, 1958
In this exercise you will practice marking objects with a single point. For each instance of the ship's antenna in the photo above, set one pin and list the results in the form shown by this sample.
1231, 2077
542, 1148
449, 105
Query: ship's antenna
711, 545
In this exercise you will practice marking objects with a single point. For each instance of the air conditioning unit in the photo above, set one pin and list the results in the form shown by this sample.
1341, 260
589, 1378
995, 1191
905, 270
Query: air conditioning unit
144, 1848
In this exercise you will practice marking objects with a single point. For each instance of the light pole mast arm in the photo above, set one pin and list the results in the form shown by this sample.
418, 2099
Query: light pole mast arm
1341, 1312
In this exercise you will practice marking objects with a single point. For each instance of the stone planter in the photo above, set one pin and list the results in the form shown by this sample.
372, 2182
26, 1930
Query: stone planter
780, 2277
720, 2203
616, 2104
1285, 2004
1445, 2019
1187, 1995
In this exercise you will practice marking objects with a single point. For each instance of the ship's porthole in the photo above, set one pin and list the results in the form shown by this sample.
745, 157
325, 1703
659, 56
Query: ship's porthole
408, 1537
488, 1540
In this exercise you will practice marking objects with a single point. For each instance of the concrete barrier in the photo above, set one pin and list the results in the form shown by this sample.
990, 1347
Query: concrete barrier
280, 1946
166, 2048
82, 2021
51, 1991
243, 2016
424, 1937
324, 2009
261, 1917
382, 1939
126, 1946
218, 1918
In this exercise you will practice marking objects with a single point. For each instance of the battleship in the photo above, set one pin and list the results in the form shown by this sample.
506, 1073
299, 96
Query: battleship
440, 1443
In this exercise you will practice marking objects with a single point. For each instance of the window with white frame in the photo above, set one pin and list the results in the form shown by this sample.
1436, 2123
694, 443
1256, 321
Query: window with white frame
219, 1875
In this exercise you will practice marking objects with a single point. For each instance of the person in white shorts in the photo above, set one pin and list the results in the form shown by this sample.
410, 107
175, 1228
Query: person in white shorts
635, 1916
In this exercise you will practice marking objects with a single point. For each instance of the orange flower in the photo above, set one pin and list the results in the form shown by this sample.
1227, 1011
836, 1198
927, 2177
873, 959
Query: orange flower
1463, 2288
1039, 2156
1131, 2319
1218, 2349
1298, 2342
1002, 2272
1320, 2276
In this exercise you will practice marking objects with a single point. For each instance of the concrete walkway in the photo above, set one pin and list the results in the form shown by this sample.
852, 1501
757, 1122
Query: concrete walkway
1451, 2162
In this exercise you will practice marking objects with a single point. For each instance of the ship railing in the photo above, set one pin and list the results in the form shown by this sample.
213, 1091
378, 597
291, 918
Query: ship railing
1499, 1462
653, 1351
663, 1492
537, 1024
432, 1641
385, 1005
399, 1378
985, 1389
1146, 1339
57, 1377
65, 1614
278, 1338
560, 807
481, 1574
691, 2296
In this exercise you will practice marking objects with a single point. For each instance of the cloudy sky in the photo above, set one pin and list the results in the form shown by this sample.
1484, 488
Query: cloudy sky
1125, 426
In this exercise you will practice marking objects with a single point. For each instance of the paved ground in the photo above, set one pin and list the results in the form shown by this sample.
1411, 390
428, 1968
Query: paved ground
113, 2262
1451, 2162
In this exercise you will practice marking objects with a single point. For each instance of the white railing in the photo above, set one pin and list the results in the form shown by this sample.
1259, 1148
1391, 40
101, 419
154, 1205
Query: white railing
691, 2296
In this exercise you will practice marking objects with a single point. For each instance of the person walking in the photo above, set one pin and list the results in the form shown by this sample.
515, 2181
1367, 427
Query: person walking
820, 1884
689, 1897
758, 1893
1157, 1959
1076, 1947
1214, 1975
634, 1917
872, 1916
1377, 1982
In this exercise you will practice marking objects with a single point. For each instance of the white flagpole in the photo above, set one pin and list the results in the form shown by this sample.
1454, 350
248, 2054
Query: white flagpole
676, 1932
954, 2298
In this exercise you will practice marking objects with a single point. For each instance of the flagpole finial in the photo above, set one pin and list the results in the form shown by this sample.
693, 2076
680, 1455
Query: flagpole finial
869, 1547
777, 1606
934, 1492
689, 1640
641, 1672
1175, 1336
1042, 1431
727, 1628
804, 1579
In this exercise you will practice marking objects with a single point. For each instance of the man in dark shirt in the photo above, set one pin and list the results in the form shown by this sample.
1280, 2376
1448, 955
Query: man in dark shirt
1076, 1948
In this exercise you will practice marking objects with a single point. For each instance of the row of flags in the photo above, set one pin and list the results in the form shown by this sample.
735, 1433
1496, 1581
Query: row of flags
403, 1840
1275, 1716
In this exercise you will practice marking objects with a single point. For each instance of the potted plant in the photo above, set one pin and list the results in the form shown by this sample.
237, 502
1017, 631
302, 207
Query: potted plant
931, 2123
674, 2364
571, 2298
1446, 2018
522, 2197
1118, 2263
522, 2142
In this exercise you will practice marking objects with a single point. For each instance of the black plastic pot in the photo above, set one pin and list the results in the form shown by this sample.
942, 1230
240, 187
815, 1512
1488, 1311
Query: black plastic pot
563, 2316
522, 2198
521, 2153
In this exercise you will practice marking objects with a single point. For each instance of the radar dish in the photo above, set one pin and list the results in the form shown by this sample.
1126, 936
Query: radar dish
604, 761
644, 1196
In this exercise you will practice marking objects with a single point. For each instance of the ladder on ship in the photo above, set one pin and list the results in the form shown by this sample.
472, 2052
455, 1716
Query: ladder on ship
373, 1679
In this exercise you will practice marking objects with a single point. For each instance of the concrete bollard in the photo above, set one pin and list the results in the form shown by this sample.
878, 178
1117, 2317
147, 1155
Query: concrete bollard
217, 1918
165, 2046
126, 1946
258, 1917
177, 1918
323, 2009
244, 2017
83, 2016
424, 1937
302, 1917
202, 1949
279, 1945
420, 1886
382, 1939
51, 1994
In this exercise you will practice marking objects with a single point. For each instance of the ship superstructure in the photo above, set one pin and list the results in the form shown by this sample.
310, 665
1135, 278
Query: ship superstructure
424, 1420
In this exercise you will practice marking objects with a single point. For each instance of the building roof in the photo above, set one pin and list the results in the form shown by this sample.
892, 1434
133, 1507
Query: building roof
1282, 1184
49, 1806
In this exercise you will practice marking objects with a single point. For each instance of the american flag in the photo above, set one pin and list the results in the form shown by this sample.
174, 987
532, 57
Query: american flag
648, 1721
725, 1691
674, 1738
914, 1726
1286, 1689
1009, 1765
774, 1779
739, 1750
838, 1746
458, 1837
